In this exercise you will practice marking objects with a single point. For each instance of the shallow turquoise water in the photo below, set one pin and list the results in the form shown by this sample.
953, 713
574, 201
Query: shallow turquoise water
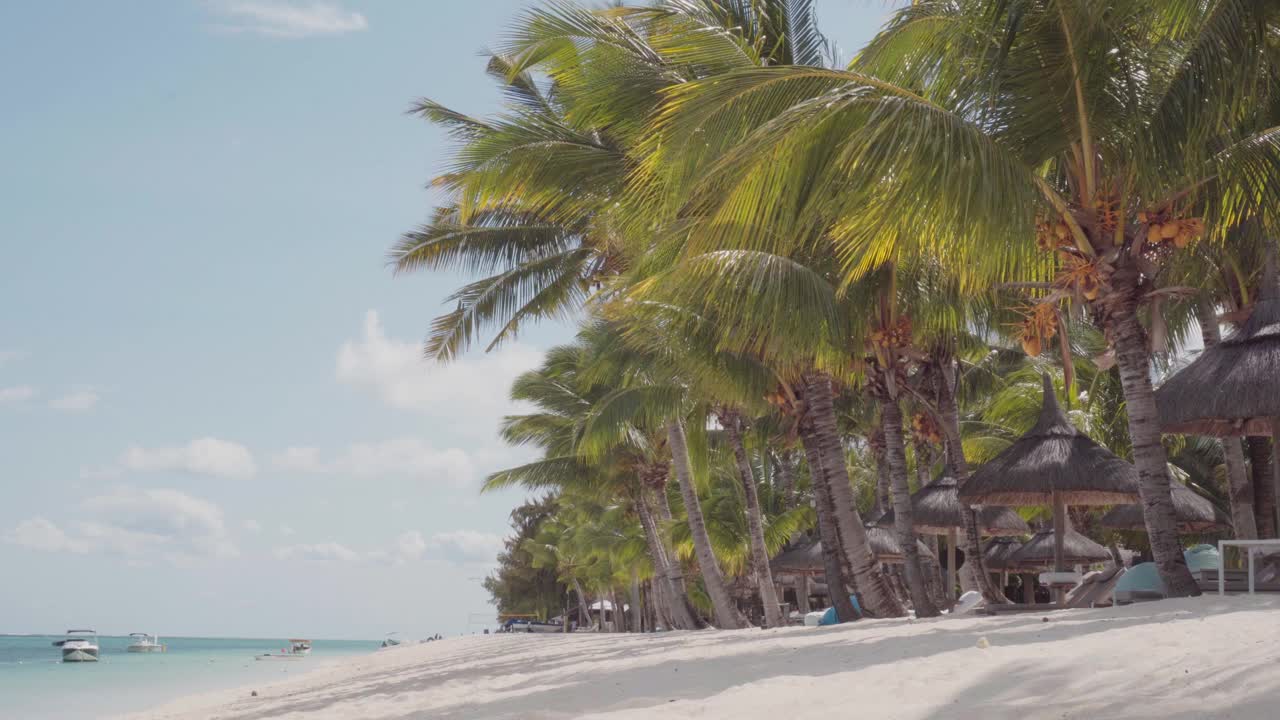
35, 684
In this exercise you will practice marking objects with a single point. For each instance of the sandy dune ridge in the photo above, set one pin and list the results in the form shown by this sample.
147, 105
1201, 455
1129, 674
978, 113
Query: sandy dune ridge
1194, 658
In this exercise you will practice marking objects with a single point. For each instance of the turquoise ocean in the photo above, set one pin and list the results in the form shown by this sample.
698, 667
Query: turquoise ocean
36, 685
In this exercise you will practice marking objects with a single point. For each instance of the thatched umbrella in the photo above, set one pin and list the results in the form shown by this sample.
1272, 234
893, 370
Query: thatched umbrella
1233, 388
937, 510
806, 559
1057, 465
1041, 551
997, 554
1194, 513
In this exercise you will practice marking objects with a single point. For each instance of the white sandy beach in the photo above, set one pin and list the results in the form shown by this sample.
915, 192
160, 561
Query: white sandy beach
1205, 657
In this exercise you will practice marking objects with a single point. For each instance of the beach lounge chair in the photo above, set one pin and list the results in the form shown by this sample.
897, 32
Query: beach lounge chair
1237, 581
1094, 590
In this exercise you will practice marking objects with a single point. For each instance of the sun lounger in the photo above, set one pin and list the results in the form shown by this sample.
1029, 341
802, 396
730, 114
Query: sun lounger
1238, 581
1094, 590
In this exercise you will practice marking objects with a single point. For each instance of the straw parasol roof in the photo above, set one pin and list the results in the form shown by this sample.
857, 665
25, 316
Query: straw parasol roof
936, 509
1053, 457
807, 558
1233, 388
997, 551
885, 546
1076, 550
1193, 512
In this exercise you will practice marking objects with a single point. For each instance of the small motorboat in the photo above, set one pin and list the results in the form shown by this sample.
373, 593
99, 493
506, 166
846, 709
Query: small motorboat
144, 643
391, 640
79, 646
526, 625
298, 649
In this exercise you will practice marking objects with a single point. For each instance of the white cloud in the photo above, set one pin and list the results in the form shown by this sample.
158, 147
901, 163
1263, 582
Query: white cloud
107, 472
252, 526
319, 551
78, 401
16, 394
410, 546
470, 393
408, 457
300, 459
458, 547
39, 533
206, 456
280, 18
186, 523
467, 546
137, 524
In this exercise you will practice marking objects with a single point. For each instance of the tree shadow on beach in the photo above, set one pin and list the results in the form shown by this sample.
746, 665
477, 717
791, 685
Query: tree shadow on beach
603, 673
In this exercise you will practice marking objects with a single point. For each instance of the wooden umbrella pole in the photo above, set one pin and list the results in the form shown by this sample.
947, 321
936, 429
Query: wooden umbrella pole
951, 564
1059, 538
1275, 464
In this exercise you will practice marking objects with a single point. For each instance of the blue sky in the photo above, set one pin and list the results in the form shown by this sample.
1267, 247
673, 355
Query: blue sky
214, 418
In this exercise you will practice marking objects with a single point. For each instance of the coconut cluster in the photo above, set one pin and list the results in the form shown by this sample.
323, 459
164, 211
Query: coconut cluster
924, 428
1040, 326
897, 335
1163, 228
1052, 234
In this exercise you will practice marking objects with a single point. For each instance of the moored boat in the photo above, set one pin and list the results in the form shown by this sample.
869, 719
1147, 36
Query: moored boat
298, 649
144, 643
79, 646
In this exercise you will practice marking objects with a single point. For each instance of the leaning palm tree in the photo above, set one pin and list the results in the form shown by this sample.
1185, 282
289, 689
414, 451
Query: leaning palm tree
533, 196
748, 303
1113, 133
652, 394
634, 468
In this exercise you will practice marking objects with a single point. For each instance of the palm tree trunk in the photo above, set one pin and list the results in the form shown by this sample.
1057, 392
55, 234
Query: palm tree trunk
1264, 493
787, 474
1239, 489
881, 503
732, 423
935, 576
727, 616
877, 598
958, 466
584, 610
672, 604
837, 581
637, 624
1134, 361
904, 528
924, 459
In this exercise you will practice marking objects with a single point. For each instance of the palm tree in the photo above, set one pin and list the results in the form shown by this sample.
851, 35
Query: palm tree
1114, 132
746, 303
534, 196
1230, 276
732, 422
653, 394
565, 397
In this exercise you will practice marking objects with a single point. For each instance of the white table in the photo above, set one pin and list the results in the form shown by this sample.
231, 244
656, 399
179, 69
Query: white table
1251, 547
